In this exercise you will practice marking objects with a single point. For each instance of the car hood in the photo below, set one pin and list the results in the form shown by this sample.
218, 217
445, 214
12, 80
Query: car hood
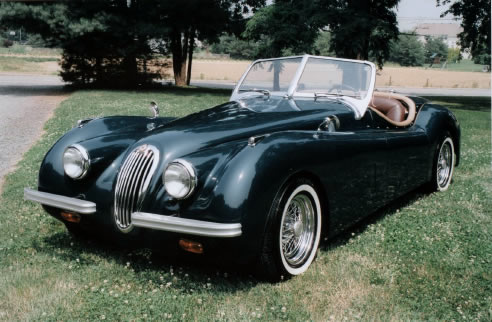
237, 120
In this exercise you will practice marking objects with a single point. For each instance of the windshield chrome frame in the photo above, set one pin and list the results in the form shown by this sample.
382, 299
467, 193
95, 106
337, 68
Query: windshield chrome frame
359, 106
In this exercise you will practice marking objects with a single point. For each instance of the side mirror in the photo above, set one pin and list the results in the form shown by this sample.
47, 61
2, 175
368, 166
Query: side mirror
154, 109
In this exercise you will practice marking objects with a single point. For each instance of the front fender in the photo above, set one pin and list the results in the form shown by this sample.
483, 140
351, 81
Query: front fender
104, 138
256, 174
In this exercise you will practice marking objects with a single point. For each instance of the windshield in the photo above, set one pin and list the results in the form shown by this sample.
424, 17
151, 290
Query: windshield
338, 77
348, 81
271, 75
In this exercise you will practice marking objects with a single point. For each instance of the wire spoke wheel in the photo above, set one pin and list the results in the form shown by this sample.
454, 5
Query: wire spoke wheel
290, 245
298, 229
445, 164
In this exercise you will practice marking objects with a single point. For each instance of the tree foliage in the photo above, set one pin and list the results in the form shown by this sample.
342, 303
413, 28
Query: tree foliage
475, 15
454, 55
322, 44
103, 42
435, 47
111, 41
236, 47
204, 20
360, 28
283, 27
407, 50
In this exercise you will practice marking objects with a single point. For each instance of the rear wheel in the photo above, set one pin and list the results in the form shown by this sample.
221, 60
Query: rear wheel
291, 243
443, 165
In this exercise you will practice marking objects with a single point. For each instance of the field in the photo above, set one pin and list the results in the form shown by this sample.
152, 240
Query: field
463, 75
389, 76
424, 257
29, 65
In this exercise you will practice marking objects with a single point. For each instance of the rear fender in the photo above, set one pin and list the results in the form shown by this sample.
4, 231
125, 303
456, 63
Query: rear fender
437, 120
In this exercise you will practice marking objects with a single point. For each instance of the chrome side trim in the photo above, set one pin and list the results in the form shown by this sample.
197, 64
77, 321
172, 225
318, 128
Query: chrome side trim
185, 226
58, 201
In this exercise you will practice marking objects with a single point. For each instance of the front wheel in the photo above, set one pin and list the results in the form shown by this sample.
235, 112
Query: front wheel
443, 165
292, 240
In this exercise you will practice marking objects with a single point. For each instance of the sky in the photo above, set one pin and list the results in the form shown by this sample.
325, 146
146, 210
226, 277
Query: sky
413, 12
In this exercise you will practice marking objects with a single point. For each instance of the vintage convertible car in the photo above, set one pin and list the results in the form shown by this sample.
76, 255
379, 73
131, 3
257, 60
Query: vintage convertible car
304, 148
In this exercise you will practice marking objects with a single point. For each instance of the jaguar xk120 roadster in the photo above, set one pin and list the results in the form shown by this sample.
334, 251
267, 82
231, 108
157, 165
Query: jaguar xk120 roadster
304, 148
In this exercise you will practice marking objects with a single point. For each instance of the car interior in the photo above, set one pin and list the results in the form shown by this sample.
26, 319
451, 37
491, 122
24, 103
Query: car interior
397, 109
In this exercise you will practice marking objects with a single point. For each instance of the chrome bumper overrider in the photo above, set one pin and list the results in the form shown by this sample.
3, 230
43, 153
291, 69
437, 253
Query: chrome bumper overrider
186, 226
62, 202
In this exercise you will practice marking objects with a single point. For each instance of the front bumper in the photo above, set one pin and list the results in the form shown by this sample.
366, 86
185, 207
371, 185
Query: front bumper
140, 219
186, 226
62, 202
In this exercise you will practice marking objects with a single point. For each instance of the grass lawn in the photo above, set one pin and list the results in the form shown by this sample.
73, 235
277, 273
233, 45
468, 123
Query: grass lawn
466, 65
425, 257
17, 49
26, 64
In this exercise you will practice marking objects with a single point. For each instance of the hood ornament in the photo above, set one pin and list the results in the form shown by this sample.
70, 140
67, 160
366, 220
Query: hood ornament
154, 109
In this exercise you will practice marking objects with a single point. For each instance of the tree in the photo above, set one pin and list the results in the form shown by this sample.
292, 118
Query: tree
198, 19
407, 50
475, 15
235, 47
283, 27
454, 55
322, 44
435, 47
103, 42
107, 42
360, 28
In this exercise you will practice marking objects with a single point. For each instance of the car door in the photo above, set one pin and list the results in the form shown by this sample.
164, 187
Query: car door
407, 164
356, 175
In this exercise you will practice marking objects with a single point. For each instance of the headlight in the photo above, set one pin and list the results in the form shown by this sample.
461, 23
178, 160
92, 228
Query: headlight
76, 161
179, 179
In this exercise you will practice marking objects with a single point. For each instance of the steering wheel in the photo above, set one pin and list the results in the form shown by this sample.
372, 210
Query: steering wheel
341, 87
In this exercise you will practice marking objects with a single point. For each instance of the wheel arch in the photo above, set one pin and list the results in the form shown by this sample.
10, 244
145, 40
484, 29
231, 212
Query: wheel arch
320, 190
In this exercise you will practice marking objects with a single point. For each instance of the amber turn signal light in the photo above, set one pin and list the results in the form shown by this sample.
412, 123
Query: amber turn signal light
70, 217
191, 246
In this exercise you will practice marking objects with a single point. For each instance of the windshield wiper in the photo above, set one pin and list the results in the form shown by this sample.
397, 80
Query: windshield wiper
262, 91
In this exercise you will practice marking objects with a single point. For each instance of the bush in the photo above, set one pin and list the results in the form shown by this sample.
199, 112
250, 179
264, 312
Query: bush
407, 51
6, 42
435, 47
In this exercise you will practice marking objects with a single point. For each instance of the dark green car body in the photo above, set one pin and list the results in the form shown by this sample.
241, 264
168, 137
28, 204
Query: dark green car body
360, 167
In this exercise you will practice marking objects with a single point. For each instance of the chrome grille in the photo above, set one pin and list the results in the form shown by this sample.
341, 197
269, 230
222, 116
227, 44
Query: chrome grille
132, 183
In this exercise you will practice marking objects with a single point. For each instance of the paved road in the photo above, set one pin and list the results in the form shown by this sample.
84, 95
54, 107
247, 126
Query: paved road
26, 103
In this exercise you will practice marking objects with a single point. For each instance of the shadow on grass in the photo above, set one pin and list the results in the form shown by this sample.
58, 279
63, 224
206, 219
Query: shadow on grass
217, 265
344, 237
146, 262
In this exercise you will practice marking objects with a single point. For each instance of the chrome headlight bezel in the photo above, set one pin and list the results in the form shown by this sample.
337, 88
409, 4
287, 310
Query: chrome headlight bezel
83, 159
187, 169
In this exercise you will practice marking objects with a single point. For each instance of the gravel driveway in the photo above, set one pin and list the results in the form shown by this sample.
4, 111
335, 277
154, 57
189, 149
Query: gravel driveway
26, 103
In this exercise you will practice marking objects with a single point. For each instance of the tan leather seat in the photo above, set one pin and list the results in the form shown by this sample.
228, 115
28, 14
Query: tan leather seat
390, 107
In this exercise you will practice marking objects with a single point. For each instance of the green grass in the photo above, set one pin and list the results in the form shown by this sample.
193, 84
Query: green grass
465, 65
424, 257
17, 49
24, 64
